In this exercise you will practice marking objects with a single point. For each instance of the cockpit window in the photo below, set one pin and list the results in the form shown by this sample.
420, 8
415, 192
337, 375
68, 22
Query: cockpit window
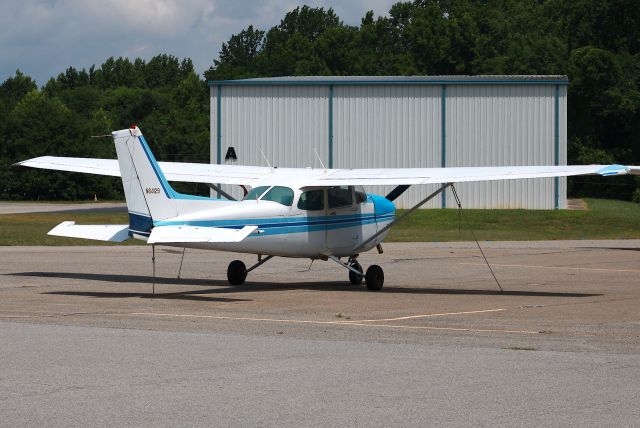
280, 194
255, 193
339, 196
313, 200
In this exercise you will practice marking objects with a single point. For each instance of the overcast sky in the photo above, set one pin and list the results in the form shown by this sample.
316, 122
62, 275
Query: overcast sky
44, 37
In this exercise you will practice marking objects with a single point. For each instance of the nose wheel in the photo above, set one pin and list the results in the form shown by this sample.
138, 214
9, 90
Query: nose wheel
373, 279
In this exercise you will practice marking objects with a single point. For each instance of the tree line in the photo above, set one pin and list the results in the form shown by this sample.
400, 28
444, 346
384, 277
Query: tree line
164, 96
595, 42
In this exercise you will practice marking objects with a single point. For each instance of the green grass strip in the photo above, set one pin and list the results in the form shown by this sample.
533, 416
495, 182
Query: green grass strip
605, 219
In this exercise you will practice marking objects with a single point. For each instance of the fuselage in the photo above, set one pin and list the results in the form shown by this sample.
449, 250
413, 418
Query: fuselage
309, 223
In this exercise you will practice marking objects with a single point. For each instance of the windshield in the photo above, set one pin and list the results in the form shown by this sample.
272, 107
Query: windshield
255, 193
279, 194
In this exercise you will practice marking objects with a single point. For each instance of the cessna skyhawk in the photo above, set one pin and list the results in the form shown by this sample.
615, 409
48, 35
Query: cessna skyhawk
289, 212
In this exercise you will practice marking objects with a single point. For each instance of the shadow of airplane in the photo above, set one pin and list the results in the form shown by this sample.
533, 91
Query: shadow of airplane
223, 287
181, 295
138, 279
618, 248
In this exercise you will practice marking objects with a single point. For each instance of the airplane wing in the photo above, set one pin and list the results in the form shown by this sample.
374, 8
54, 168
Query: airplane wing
183, 234
306, 177
174, 171
410, 176
100, 232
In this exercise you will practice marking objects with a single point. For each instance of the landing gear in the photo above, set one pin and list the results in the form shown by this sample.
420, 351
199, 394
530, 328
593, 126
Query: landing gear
354, 278
236, 272
374, 278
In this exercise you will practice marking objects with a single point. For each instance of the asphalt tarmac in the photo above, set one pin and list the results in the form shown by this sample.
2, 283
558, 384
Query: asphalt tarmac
84, 341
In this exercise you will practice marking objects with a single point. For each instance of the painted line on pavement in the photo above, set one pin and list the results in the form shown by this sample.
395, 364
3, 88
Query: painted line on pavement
444, 314
341, 323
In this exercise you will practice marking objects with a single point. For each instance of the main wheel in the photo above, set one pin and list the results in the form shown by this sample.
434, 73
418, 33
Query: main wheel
354, 278
374, 278
236, 272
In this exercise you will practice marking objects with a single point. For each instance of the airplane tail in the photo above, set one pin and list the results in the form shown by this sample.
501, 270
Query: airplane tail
147, 192
150, 198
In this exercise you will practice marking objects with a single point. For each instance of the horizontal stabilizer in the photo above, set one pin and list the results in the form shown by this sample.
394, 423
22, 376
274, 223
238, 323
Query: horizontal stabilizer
182, 234
99, 232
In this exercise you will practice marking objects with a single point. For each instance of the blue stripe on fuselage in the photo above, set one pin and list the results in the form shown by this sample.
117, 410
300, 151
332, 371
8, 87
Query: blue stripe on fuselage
272, 226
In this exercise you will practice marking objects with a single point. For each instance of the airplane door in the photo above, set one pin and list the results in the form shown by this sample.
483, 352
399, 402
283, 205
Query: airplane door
306, 233
344, 227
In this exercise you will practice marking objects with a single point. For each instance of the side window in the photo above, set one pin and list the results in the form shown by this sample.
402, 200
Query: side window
279, 194
339, 196
361, 195
312, 200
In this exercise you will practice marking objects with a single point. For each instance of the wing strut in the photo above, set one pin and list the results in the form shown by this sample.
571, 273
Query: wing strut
415, 207
220, 191
395, 193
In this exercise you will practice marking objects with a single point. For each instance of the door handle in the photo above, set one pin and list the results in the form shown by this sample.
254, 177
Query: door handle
332, 213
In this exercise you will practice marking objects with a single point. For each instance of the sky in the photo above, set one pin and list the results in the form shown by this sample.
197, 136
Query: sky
42, 38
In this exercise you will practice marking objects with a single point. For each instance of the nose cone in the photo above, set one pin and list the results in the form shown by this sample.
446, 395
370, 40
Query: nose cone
383, 206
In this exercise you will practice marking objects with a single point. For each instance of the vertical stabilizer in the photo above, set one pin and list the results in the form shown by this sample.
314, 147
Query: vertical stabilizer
148, 194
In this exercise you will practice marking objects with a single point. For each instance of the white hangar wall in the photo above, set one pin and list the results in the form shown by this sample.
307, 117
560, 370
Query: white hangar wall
495, 125
386, 127
359, 122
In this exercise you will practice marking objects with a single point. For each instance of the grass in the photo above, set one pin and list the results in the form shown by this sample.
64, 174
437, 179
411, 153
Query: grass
605, 219
31, 229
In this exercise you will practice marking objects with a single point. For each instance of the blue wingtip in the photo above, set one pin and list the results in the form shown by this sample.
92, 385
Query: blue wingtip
613, 170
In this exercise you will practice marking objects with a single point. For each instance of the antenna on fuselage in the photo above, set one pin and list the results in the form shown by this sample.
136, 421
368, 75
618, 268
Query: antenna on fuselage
321, 163
265, 158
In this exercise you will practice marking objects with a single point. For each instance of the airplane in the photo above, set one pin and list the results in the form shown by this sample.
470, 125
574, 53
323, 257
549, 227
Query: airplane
288, 212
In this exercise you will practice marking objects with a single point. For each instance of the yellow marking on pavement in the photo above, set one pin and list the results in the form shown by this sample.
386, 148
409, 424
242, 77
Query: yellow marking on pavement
555, 267
444, 314
342, 323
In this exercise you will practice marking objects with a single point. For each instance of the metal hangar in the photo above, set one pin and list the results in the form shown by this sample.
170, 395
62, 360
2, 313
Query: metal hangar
400, 121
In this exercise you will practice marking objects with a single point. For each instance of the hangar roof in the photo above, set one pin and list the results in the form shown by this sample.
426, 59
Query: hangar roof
398, 80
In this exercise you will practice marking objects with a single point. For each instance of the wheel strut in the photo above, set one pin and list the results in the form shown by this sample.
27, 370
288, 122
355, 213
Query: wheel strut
374, 278
344, 265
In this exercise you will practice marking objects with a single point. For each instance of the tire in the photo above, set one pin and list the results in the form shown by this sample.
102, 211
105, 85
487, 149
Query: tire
236, 272
374, 278
354, 278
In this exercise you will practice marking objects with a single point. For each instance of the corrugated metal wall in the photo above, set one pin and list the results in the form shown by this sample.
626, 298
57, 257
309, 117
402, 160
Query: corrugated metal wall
562, 143
401, 126
286, 122
386, 127
500, 126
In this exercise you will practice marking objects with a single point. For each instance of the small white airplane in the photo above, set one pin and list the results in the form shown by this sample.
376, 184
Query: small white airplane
289, 212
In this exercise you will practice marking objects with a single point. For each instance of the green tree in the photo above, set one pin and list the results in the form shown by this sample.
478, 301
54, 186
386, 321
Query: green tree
15, 88
238, 55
